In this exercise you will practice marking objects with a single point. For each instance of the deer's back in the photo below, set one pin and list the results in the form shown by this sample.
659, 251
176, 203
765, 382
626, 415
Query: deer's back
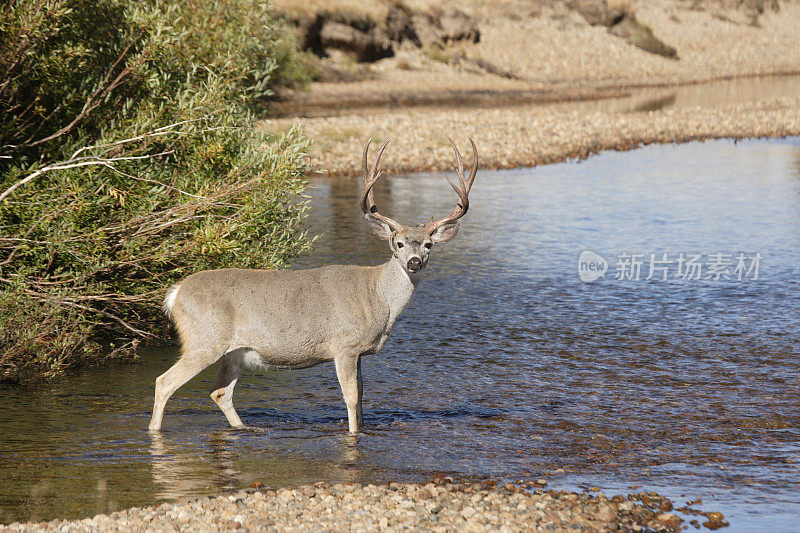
288, 317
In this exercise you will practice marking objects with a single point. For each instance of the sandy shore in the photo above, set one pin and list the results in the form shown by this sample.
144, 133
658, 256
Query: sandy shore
440, 506
528, 136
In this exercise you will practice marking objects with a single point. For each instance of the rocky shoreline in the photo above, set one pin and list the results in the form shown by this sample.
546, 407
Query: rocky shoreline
442, 505
526, 136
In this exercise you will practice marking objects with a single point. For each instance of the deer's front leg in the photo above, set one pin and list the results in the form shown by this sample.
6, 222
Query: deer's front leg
348, 370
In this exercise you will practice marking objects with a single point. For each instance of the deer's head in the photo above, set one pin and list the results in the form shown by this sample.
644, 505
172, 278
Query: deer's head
411, 245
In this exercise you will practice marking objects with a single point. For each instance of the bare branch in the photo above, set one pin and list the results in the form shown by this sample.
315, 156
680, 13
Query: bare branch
69, 303
76, 163
164, 130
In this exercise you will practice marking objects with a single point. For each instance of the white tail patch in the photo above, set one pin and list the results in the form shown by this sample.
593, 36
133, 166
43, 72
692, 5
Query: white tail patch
169, 299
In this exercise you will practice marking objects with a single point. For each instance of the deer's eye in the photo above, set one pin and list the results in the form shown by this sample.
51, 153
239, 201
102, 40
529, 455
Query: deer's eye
399, 244
428, 245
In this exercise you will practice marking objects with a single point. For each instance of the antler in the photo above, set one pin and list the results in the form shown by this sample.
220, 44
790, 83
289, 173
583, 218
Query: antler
371, 176
462, 190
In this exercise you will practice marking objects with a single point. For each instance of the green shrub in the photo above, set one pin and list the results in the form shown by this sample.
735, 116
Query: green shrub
129, 160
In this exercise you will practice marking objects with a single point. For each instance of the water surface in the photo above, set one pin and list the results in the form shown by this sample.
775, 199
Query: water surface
633, 99
505, 364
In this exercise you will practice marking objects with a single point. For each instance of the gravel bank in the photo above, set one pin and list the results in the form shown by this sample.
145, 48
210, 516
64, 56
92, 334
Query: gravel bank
441, 506
528, 135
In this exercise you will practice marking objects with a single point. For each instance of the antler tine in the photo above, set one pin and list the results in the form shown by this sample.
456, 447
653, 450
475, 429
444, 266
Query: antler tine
465, 185
474, 171
364, 160
371, 177
366, 199
458, 160
378, 158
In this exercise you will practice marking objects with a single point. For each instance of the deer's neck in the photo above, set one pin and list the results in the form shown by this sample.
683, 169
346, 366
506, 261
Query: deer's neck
396, 286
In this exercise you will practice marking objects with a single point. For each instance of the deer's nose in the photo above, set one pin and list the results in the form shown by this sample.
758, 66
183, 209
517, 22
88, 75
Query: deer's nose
414, 264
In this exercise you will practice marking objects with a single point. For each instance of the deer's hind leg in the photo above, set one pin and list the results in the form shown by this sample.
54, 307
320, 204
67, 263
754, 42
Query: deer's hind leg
229, 372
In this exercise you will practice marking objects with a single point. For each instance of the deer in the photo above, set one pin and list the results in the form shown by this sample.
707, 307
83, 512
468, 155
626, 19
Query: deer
291, 319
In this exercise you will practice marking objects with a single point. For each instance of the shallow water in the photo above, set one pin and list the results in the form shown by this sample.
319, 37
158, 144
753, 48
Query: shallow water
505, 364
636, 99
710, 93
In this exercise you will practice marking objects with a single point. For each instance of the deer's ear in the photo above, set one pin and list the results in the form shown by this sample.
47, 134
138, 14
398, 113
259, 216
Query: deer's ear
446, 232
379, 227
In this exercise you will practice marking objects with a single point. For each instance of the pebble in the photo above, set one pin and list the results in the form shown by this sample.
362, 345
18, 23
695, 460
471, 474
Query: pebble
626, 506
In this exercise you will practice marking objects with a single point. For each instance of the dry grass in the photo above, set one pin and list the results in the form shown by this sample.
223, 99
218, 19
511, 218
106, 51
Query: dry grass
333, 136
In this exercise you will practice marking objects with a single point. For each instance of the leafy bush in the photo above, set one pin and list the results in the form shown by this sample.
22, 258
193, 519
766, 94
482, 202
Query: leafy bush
128, 160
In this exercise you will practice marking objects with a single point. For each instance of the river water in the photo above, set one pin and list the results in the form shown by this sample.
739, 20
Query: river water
635, 99
505, 364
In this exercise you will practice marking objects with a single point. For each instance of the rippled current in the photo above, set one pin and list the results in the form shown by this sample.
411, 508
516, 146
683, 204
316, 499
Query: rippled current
505, 364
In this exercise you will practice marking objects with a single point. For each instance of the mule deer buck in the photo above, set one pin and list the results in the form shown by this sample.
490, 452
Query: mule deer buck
298, 319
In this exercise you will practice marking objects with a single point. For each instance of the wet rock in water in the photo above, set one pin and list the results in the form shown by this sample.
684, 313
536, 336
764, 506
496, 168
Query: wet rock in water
716, 520
669, 518
715, 525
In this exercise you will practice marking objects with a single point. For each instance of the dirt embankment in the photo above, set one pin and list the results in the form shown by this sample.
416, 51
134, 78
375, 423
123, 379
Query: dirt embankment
420, 51
479, 67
